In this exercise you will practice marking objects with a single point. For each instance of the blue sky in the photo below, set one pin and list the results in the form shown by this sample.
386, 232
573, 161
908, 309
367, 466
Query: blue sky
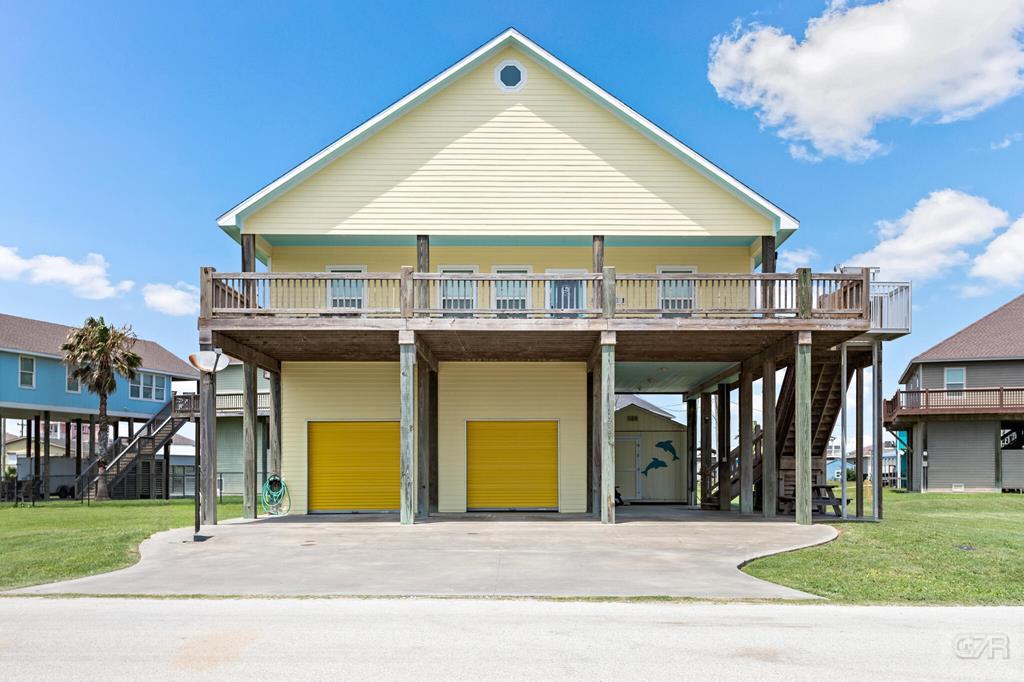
126, 129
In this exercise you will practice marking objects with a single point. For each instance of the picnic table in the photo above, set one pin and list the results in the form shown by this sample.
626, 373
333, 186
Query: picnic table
822, 497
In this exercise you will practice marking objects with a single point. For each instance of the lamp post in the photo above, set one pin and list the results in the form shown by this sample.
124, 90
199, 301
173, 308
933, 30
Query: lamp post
207, 362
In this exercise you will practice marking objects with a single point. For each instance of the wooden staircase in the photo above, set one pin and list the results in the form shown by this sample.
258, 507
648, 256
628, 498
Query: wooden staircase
136, 472
826, 400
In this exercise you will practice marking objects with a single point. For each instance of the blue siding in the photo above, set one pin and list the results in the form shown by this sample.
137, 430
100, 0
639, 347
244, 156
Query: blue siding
51, 392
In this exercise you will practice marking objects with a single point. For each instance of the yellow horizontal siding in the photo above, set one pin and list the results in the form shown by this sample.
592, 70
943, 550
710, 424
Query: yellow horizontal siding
625, 259
329, 391
511, 391
475, 159
353, 466
512, 465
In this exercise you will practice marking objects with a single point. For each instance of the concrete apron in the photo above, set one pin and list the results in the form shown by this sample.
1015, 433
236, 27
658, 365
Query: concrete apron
664, 551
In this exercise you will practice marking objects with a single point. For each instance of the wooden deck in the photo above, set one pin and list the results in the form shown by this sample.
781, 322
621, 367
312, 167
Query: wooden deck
964, 403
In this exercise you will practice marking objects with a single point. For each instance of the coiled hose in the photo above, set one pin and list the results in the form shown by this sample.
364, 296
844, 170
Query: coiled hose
275, 498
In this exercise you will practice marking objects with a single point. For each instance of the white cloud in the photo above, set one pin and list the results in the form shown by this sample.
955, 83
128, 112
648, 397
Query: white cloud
179, 299
1012, 138
791, 259
856, 66
87, 278
1002, 261
974, 291
929, 239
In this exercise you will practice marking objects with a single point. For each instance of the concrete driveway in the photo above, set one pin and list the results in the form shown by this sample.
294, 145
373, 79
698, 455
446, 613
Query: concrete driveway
668, 551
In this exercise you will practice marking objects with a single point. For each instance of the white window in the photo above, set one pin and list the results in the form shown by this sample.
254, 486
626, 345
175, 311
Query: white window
510, 76
71, 384
955, 378
676, 295
512, 295
347, 293
458, 294
26, 371
147, 386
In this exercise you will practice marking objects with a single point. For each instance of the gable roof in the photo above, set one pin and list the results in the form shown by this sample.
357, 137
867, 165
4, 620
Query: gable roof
997, 336
231, 221
45, 338
623, 400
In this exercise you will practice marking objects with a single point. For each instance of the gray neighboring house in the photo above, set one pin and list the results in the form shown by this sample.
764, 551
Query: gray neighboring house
961, 410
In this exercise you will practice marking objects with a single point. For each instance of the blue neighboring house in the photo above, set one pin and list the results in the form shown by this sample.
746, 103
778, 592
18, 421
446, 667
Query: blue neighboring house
34, 382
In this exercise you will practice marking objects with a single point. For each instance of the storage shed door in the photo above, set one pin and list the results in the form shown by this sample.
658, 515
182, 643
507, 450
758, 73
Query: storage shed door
353, 466
512, 465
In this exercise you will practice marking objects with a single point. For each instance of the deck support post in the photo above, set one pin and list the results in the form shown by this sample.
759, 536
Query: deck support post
595, 435
407, 463
691, 452
746, 442
802, 422
422, 265
706, 447
917, 462
167, 470
878, 445
858, 464
607, 422
46, 454
78, 448
769, 469
34, 463
92, 438
249, 440
843, 389
422, 439
274, 425
724, 451
208, 446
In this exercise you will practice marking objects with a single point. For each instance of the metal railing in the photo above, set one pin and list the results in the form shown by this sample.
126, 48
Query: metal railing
963, 400
549, 295
891, 306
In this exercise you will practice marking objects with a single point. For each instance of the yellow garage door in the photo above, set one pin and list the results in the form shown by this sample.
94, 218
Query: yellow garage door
353, 466
512, 465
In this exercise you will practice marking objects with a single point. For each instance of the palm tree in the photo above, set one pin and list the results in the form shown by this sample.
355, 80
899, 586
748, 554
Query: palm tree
95, 354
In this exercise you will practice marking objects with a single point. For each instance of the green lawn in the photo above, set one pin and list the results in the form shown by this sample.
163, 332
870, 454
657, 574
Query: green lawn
920, 554
61, 540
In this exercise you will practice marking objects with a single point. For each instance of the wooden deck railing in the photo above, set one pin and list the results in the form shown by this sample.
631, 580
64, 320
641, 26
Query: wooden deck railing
953, 401
550, 295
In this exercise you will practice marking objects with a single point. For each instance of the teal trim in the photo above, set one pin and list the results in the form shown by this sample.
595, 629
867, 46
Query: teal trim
339, 240
680, 241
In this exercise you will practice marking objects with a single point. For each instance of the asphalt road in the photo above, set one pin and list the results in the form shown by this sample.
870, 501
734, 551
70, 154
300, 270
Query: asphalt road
485, 639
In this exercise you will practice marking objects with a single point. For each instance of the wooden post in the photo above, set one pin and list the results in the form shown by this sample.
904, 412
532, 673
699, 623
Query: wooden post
597, 252
78, 448
705, 447
208, 446
29, 442
803, 293
46, 454
877, 449
724, 450
422, 439
131, 428
595, 437
858, 465
275, 423
167, 470
920, 439
768, 254
608, 291
406, 293
844, 387
422, 265
691, 451
802, 421
248, 252
205, 294
608, 418
248, 440
746, 442
769, 465
407, 464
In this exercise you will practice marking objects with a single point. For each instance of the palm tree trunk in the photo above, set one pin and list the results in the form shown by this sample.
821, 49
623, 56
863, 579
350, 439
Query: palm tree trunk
104, 436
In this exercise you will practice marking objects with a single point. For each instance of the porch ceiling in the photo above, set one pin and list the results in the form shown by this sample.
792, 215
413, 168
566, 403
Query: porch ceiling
508, 345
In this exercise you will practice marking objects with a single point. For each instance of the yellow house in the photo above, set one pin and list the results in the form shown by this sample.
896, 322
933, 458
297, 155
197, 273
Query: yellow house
456, 290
